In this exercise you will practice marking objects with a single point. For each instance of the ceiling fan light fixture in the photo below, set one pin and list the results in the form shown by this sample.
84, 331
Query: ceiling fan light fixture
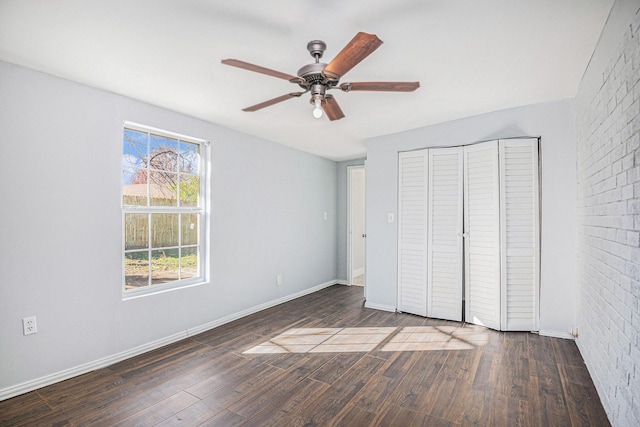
317, 108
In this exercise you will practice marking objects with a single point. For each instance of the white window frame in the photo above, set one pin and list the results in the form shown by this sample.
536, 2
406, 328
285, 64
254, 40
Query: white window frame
202, 209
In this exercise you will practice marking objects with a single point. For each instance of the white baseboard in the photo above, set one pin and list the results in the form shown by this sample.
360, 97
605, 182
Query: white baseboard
382, 307
556, 334
37, 383
342, 282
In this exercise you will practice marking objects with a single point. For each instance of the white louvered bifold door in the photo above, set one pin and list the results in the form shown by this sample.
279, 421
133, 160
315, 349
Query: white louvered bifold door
520, 233
412, 232
482, 230
444, 231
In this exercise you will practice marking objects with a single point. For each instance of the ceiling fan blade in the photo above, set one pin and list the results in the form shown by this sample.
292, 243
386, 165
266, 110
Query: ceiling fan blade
361, 46
332, 109
262, 70
273, 101
381, 86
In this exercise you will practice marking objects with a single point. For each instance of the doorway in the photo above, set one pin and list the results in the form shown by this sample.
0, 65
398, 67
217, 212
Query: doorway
357, 234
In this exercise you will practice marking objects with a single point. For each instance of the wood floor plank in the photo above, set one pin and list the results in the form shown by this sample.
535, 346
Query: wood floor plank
376, 391
220, 390
327, 405
224, 419
285, 412
278, 387
155, 414
582, 399
549, 401
473, 409
24, 410
513, 378
466, 375
336, 367
235, 370
507, 411
352, 416
393, 415
487, 372
412, 391
128, 398
541, 348
567, 353
194, 415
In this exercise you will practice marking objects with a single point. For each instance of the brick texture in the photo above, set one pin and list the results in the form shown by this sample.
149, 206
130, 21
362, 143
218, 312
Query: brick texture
608, 156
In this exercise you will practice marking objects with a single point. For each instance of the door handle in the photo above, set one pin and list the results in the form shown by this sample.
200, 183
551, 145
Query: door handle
364, 236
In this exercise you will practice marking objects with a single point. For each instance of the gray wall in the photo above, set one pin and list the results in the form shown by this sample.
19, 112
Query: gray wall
554, 122
342, 220
608, 117
60, 226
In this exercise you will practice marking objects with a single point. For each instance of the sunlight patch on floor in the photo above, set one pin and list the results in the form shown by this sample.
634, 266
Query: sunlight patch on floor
344, 340
428, 338
324, 340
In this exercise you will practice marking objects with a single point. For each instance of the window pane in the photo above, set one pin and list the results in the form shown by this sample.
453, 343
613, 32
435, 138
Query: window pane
163, 189
136, 231
134, 173
189, 265
164, 266
163, 153
135, 192
134, 149
189, 157
136, 269
164, 230
189, 229
189, 190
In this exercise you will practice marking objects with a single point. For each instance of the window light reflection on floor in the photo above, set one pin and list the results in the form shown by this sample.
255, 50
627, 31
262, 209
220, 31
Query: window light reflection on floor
324, 340
427, 338
364, 339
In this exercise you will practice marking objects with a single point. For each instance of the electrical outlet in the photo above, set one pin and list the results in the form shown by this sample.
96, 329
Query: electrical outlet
29, 325
279, 280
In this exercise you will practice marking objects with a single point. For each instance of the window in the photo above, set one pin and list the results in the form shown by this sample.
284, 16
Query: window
163, 210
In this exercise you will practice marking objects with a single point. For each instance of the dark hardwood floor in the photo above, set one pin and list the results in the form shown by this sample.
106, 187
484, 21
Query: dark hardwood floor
295, 365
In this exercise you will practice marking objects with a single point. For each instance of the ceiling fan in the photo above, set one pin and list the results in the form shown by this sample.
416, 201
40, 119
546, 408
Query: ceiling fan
318, 77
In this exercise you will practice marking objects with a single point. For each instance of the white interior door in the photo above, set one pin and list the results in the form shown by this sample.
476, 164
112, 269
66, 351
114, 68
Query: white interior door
482, 232
444, 231
519, 212
412, 232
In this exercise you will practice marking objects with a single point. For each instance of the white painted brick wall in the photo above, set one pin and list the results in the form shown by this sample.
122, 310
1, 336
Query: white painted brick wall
609, 230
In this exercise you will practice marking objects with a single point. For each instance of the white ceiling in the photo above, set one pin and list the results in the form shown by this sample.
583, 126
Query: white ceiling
470, 56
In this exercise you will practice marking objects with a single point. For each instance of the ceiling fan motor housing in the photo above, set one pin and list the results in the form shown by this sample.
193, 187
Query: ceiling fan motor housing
312, 74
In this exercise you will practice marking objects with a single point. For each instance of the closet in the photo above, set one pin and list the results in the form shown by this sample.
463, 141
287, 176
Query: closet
468, 233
